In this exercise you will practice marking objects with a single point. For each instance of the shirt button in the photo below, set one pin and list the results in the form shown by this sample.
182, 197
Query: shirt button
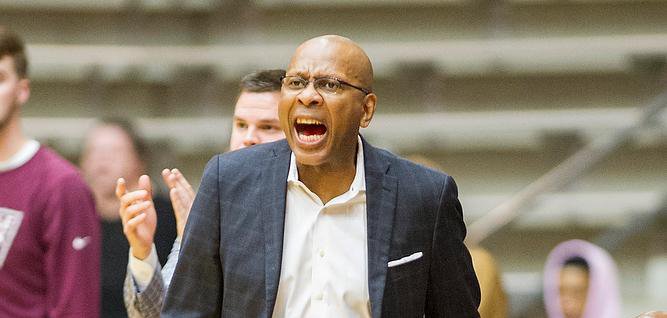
321, 253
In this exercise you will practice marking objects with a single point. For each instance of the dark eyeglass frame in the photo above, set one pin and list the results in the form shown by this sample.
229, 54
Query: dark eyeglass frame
364, 90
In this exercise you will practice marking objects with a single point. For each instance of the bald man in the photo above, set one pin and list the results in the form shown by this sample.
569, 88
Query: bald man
322, 224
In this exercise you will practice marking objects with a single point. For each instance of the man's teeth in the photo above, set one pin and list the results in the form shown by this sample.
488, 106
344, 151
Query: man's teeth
310, 138
308, 121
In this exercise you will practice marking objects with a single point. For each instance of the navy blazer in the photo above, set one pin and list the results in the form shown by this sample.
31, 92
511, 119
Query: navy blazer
230, 260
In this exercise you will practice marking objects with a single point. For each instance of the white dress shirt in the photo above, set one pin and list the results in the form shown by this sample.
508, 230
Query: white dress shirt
143, 270
324, 269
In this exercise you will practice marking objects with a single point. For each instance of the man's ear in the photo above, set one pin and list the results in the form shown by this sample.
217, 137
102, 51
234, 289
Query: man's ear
23, 93
368, 110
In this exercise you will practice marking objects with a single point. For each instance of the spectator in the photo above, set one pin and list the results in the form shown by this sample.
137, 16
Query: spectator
580, 281
49, 232
113, 149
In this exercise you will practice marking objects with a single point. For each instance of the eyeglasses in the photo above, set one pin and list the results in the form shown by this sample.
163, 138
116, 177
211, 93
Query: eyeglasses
326, 85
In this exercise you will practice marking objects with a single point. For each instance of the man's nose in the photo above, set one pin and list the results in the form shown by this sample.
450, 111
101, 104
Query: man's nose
251, 137
309, 96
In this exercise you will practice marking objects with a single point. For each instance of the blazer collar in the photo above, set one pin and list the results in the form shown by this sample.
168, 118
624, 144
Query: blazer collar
274, 188
380, 207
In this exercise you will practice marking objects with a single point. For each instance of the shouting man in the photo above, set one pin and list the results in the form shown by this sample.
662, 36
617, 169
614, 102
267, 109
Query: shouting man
323, 224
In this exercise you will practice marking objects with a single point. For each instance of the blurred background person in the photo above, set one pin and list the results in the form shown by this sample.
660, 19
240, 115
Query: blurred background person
580, 281
49, 232
494, 299
112, 149
255, 121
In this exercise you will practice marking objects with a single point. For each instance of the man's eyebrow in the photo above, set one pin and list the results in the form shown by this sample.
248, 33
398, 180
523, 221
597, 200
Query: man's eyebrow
333, 75
269, 121
262, 120
297, 73
302, 74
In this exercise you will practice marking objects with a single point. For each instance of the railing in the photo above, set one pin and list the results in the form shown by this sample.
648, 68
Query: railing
563, 174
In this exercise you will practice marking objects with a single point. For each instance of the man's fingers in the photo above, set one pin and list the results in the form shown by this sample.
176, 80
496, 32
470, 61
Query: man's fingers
174, 196
181, 197
175, 179
135, 209
130, 197
145, 184
186, 198
168, 180
180, 200
121, 187
180, 178
131, 224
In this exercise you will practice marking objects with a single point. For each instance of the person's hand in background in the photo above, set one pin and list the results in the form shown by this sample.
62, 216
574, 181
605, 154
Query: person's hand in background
138, 215
181, 194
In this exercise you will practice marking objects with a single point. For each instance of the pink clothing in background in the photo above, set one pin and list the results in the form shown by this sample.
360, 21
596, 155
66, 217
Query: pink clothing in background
603, 298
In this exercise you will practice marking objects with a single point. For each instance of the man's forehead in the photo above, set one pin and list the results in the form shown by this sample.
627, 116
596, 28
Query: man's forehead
312, 55
255, 117
257, 105
258, 100
107, 136
265, 110
307, 66
316, 68
107, 132
331, 56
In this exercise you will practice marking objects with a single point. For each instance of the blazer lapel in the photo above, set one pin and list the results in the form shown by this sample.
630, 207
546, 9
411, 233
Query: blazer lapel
380, 208
274, 188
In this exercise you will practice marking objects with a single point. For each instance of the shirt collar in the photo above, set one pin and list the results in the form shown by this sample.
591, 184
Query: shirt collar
27, 151
359, 181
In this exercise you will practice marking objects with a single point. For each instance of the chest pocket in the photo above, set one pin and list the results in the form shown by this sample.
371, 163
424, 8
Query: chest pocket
403, 268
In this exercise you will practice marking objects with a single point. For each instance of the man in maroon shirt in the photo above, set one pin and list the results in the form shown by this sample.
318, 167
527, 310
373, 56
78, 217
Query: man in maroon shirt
49, 231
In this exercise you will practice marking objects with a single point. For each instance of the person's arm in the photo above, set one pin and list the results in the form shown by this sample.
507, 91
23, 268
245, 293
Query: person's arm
453, 290
170, 266
146, 285
143, 290
196, 287
72, 242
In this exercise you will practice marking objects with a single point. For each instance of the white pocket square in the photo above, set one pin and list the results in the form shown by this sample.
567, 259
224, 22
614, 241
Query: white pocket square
405, 259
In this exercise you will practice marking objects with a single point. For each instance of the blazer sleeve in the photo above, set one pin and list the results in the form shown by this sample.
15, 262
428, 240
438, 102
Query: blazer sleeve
145, 304
453, 290
196, 287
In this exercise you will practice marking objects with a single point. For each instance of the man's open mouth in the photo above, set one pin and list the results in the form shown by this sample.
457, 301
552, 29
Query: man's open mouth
310, 130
